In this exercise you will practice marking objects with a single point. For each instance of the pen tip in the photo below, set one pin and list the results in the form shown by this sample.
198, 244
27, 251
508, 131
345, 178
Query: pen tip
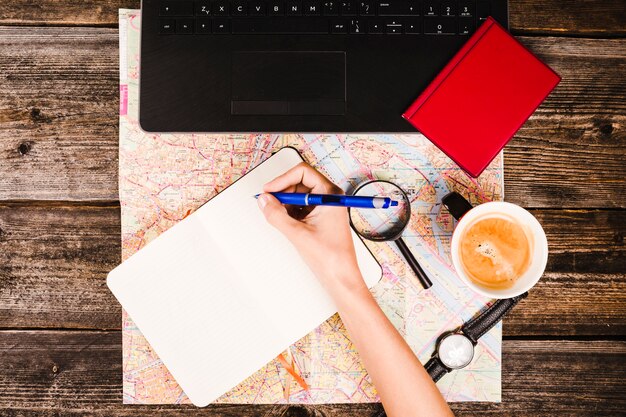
394, 203
257, 196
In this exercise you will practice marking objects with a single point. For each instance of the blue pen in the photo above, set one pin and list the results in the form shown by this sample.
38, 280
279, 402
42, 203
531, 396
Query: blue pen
304, 199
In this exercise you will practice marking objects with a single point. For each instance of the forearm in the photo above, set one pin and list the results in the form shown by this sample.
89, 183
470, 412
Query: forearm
404, 386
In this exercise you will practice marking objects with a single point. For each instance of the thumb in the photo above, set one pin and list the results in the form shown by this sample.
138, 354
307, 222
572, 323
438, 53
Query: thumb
276, 215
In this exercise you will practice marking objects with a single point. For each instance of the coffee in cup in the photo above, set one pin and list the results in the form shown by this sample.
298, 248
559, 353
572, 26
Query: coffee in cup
498, 249
495, 251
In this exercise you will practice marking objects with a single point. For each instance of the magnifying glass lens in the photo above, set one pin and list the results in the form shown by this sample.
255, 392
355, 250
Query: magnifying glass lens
381, 224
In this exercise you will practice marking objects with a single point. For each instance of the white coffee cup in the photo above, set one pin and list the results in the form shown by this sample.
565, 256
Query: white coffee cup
534, 232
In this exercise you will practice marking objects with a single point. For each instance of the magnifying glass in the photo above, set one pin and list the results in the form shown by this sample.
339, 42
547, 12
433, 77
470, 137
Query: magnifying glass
388, 224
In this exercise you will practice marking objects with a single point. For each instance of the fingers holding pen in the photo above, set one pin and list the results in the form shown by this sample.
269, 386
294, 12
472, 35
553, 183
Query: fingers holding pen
302, 178
303, 174
276, 214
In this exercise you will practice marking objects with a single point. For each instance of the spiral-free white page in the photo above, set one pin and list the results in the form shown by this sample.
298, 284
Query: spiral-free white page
210, 294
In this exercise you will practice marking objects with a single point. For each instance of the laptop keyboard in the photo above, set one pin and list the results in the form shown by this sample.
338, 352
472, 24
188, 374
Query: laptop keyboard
363, 17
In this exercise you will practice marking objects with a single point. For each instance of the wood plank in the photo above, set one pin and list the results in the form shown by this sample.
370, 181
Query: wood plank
75, 373
555, 17
53, 266
58, 121
58, 114
568, 17
54, 261
63, 12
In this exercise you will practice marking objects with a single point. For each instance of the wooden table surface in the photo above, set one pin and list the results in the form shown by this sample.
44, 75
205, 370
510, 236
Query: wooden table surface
60, 342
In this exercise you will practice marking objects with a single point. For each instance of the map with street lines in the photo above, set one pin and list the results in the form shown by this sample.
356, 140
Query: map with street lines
164, 177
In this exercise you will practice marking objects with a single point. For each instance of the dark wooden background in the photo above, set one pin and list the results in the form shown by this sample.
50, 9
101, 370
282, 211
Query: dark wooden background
60, 341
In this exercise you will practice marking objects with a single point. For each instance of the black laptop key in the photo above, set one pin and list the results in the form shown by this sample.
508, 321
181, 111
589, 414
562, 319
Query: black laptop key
466, 25
397, 8
277, 8
221, 26
393, 27
220, 8
184, 26
330, 8
445, 26
239, 8
167, 26
312, 8
483, 10
412, 26
413, 9
357, 27
466, 8
311, 25
448, 8
385, 8
203, 8
366, 8
294, 8
203, 25
338, 26
375, 27
348, 8
257, 8
431, 8
176, 8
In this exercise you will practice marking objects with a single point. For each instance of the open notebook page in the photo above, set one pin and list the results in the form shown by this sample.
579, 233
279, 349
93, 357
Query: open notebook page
222, 293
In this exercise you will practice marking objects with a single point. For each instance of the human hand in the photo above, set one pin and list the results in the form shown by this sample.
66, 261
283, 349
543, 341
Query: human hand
321, 234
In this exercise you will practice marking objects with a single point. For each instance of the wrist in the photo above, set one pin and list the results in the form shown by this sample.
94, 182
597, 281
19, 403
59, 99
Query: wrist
346, 283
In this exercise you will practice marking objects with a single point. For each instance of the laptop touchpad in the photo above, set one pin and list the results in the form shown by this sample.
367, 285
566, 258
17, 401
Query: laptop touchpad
297, 83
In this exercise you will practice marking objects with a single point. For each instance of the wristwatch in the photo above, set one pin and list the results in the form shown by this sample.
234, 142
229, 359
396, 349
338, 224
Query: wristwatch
455, 349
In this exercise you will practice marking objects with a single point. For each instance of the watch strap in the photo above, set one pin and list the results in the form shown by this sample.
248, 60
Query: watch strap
482, 323
435, 368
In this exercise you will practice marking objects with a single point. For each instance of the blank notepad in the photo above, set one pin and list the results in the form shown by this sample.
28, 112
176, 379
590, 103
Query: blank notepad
222, 293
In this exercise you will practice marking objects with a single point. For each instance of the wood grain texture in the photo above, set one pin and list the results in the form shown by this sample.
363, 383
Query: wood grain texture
59, 102
53, 266
77, 373
554, 17
63, 12
58, 114
54, 261
568, 17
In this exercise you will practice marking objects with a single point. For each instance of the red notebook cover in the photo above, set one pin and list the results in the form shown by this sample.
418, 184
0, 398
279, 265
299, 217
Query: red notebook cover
482, 97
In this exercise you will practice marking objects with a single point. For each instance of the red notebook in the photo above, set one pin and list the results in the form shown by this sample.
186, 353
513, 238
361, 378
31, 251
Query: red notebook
482, 97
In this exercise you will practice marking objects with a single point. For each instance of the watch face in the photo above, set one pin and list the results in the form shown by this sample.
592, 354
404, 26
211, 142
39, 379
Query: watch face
456, 351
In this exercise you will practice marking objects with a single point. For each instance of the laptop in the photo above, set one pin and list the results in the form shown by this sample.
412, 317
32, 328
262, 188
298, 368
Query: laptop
305, 66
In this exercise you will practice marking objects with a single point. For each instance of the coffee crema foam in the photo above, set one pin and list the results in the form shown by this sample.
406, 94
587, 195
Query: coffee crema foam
495, 252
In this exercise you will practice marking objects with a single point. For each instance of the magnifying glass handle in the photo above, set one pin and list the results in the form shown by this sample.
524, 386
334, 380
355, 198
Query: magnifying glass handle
421, 275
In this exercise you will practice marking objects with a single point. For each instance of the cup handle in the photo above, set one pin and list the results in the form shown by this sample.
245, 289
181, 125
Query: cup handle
456, 204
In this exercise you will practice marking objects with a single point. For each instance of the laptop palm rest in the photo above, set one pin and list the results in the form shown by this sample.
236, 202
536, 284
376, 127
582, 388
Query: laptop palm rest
288, 83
